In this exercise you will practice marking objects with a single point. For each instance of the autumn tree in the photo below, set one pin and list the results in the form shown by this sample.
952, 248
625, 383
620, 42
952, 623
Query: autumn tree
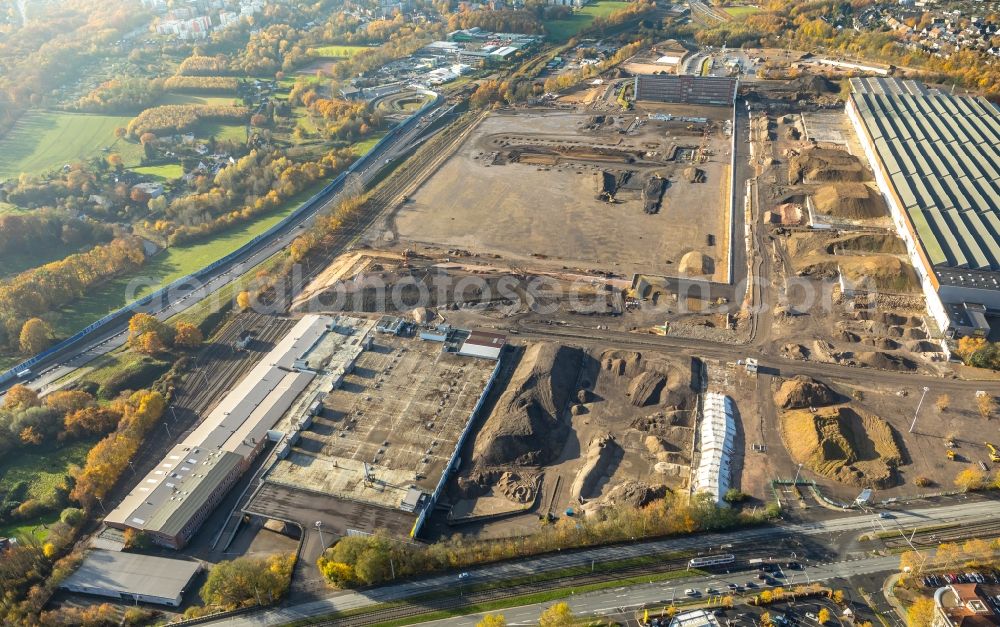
921, 612
943, 402
558, 615
20, 397
247, 581
823, 616
243, 300
911, 561
968, 346
68, 401
141, 329
971, 479
987, 405
149, 343
493, 620
30, 435
91, 420
299, 248
187, 335
36, 336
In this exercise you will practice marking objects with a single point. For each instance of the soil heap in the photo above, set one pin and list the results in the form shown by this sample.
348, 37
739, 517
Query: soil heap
852, 201
819, 165
694, 263
844, 444
527, 427
802, 391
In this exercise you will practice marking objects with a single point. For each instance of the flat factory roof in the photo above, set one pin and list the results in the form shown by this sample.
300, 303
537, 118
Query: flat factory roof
707, 90
188, 476
941, 155
112, 573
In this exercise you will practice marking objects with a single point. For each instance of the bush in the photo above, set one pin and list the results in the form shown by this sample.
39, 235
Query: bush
135, 375
734, 496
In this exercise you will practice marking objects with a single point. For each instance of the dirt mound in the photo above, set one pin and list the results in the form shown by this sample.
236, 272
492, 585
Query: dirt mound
622, 363
876, 272
634, 493
516, 488
802, 391
852, 201
844, 444
526, 427
813, 84
645, 389
695, 263
884, 361
922, 346
848, 336
694, 175
601, 453
885, 344
869, 243
795, 351
821, 165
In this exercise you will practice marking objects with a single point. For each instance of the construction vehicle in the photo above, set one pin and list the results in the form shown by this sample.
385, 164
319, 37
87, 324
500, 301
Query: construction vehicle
994, 453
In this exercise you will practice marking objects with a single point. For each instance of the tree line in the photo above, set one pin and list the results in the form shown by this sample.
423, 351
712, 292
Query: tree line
39, 291
167, 119
366, 560
202, 84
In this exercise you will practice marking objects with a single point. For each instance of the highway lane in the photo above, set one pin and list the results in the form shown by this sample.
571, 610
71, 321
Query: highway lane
108, 339
622, 600
813, 534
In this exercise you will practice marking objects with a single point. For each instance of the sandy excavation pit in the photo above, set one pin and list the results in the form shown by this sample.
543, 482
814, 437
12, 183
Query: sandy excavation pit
625, 194
580, 430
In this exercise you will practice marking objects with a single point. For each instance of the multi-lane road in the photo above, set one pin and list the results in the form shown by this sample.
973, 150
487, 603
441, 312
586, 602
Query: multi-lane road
827, 548
111, 337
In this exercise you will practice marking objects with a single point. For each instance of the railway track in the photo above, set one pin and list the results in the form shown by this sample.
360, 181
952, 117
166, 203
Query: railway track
458, 598
933, 537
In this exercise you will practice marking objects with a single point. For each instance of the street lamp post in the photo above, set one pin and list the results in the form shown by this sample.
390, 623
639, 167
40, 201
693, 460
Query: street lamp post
795, 481
319, 528
915, 413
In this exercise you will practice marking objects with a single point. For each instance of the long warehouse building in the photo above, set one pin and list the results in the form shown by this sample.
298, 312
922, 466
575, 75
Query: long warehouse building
172, 501
936, 158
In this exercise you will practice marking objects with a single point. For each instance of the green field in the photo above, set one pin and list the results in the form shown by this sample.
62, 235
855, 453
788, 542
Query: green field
364, 146
45, 140
563, 30
43, 468
336, 52
161, 172
167, 266
741, 11
38, 527
226, 132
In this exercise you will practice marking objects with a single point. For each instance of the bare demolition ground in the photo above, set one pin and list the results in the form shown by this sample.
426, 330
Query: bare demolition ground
401, 411
618, 193
576, 430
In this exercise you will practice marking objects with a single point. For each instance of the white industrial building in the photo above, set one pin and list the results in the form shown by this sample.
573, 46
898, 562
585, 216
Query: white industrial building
483, 344
717, 435
172, 501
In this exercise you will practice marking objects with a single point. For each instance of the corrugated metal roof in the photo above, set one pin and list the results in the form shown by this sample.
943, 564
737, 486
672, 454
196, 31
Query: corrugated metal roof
942, 153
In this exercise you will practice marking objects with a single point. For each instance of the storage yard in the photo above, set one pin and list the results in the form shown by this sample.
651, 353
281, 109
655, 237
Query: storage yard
620, 193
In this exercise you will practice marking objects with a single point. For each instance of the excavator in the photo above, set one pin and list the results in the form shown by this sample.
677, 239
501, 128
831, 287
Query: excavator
994, 453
